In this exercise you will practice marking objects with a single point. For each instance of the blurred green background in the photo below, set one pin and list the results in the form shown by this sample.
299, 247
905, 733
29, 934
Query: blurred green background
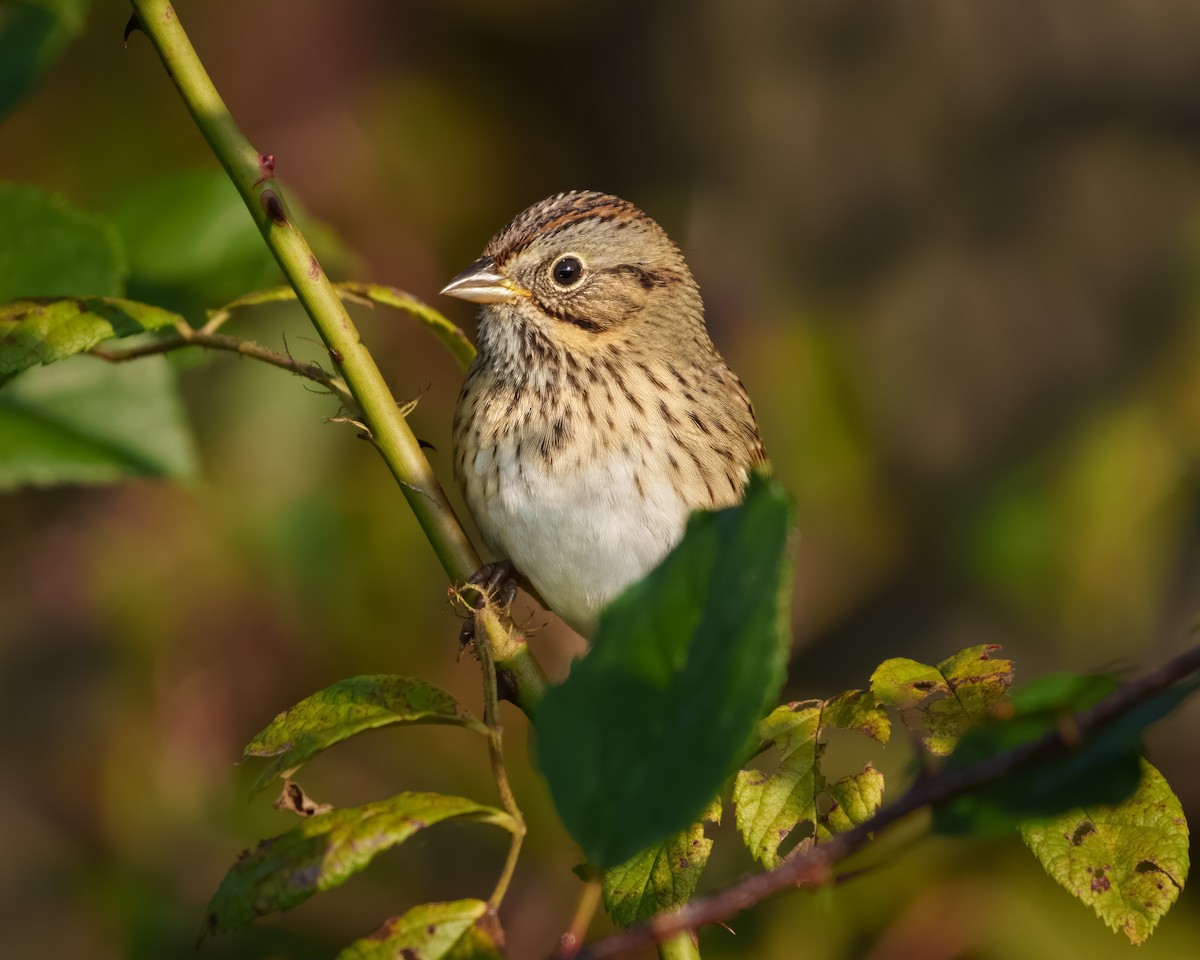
952, 248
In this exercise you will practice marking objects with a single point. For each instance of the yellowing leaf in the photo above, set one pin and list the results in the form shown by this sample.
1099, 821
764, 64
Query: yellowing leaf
940, 703
326, 850
459, 930
769, 806
42, 331
662, 877
1127, 862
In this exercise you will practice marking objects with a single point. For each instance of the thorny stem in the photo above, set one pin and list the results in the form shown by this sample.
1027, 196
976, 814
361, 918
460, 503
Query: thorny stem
491, 718
815, 865
253, 175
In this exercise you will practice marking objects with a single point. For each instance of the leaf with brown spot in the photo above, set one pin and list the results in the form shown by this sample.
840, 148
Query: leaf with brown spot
662, 877
770, 806
941, 702
1127, 862
459, 930
326, 850
345, 709
43, 331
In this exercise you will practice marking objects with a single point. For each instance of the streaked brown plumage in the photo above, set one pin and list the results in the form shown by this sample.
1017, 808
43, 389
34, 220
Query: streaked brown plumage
598, 414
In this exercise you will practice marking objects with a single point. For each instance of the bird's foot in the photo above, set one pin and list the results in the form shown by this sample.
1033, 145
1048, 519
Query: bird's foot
492, 583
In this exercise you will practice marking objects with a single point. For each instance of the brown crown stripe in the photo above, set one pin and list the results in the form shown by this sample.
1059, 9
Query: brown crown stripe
556, 214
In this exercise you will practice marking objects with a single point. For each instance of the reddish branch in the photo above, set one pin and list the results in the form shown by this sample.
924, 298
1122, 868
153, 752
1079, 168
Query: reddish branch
221, 341
815, 864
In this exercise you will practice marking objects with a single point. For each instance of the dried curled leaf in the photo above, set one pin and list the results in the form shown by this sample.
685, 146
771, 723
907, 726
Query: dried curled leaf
293, 799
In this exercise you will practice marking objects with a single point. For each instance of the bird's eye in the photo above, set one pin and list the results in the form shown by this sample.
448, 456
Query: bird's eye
566, 271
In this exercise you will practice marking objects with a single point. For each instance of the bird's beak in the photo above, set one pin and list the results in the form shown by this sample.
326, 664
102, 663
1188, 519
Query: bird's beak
481, 282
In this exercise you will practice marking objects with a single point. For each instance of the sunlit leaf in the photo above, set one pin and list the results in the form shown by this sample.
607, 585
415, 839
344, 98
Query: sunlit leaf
461, 930
87, 421
854, 799
661, 877
344, 709
646, 728
941, 702
1127, 862
770, 805
48, 249
324, 851
42, 331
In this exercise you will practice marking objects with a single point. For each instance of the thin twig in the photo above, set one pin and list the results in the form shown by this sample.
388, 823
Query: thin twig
491, 718
571, 941
222, 341
815, 865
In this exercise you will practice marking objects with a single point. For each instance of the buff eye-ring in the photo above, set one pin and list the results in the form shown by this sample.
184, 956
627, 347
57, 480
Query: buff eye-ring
566, 271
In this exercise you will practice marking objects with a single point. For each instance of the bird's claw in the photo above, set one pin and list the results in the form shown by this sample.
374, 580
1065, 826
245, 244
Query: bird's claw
493, 582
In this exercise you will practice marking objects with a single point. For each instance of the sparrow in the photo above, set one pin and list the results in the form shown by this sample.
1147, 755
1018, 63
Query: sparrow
597, 414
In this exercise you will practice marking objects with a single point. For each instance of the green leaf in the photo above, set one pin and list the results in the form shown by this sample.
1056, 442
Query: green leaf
1104, 770
48, 249
646, 728
324, 851
42, 331
460, 930
344, 709
770, 806
32, 35
940, 703
191, 242
87, 421
662, 877
1127, 862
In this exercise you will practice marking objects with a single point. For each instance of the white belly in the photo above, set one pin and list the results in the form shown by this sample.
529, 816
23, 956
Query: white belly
580, 534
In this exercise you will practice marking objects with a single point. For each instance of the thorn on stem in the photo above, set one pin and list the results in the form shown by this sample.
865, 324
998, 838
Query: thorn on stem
266, 164
506, 687
132, 24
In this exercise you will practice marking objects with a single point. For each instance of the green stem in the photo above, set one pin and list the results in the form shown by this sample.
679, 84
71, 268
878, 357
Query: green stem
679, 947
491, 717
253, 175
